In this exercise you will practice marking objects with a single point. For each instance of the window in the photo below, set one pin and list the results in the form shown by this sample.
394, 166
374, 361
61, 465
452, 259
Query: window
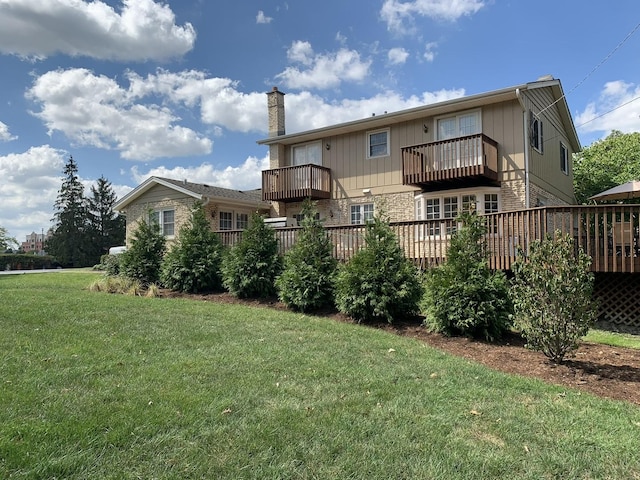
242, 221
308, 153
460, 153
165, 221
361, 213
536, 133
378, 144
449, 205
564, 159
226, 220
299, 217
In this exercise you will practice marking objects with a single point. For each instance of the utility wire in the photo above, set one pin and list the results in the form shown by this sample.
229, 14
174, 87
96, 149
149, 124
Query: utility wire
594, 69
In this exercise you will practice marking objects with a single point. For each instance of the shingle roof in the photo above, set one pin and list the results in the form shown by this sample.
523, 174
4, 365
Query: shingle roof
212, 191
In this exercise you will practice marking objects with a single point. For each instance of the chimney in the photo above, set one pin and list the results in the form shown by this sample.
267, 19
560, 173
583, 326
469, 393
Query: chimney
275, 104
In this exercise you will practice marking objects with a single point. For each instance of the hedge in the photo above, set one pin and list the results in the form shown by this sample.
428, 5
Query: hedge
21, 261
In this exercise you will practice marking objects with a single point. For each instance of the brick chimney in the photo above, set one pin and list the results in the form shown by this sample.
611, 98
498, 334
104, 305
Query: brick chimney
275, 104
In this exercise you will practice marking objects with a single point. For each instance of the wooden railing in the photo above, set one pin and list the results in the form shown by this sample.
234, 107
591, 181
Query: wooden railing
289, 184
457, 159
609, 234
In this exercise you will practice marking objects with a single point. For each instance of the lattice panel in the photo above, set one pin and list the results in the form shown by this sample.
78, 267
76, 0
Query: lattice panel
618, 296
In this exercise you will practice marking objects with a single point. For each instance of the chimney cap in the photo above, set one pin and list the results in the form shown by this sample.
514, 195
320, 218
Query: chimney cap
275, 90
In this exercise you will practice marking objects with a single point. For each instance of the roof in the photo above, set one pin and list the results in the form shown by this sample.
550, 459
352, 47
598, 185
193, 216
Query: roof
471, 101
199, 191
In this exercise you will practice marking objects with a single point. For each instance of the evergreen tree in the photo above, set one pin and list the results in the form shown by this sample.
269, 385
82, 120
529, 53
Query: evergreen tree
143, 258
251, 267
107, 227
193, 263
70, 243
309, 267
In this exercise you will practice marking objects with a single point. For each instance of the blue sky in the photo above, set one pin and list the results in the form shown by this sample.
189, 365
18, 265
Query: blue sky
136, 88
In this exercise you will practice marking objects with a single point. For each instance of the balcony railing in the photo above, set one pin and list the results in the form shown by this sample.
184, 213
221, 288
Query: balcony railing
470, 159
292, 184
610, 234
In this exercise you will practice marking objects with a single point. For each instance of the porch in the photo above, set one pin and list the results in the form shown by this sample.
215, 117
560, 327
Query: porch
295, 183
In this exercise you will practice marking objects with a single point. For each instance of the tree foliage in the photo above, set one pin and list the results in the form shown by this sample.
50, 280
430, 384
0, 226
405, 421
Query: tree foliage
309, 271
552, 296
379, 282
464, 296
6, 242
194, 261
70, 242
106, 227
606, 163
251, 266
143, 259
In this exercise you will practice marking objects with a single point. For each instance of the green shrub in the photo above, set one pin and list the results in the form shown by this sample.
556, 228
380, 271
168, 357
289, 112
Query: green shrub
379, 282
194, 261
251, 266
309, 271
26, 261
552, 294
463, 296
142, 259
110, 264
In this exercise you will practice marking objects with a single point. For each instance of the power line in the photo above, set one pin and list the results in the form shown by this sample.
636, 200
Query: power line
594, 69
608, 112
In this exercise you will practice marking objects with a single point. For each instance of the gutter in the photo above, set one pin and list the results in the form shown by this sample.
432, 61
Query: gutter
527, 195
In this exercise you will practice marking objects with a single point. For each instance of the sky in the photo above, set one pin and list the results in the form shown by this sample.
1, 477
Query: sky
177, 88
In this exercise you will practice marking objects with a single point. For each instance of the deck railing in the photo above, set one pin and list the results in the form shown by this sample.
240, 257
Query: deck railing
460, 158
296, 183
608, 233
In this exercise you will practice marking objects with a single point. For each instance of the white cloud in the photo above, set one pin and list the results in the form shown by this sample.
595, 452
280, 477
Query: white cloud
429, 51
615, 109
95, 110
397, 13
141, 30
321, 71
397, 56
247, 176
29, 184
261, 18
5, 135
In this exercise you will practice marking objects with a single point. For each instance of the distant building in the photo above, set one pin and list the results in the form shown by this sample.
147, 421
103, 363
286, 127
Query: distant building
35, 243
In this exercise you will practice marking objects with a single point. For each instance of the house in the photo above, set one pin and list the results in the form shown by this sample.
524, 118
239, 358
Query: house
503, 150
169, 203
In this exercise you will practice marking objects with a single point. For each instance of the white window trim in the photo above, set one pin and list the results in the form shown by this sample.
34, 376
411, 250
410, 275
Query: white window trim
368, 143
361, 207
539, 139
475, 111
306, 146
479, 192
160, 213
220, 220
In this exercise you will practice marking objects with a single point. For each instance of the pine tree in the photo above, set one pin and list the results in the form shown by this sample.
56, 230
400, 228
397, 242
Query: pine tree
70, 242
107, 227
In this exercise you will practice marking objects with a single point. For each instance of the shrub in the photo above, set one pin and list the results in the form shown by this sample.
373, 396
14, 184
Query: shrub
142, 260
193, 263
309, 271
110, 264
463, 296
379, 282
251, 266
552, 296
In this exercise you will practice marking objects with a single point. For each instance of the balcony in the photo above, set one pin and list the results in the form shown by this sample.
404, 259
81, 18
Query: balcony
293, 184
457, 162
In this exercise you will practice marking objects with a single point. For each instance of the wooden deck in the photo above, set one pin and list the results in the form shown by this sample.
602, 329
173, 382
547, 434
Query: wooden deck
608, 233
294, 184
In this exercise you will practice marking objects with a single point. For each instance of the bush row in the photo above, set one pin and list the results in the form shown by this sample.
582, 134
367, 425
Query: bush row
20, 261
550, 305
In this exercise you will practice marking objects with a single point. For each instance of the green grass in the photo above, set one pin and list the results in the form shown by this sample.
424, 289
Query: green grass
110, 386
613, 338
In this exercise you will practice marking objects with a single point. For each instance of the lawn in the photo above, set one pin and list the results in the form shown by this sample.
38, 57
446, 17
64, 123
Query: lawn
108, 386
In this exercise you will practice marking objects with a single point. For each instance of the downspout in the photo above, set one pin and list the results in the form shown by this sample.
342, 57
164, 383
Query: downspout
527, 198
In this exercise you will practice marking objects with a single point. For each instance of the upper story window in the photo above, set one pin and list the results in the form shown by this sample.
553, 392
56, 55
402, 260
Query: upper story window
460, 125
307, 153
378, 144
165, 219
537, 140
564, 159
226, 220
361, 213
